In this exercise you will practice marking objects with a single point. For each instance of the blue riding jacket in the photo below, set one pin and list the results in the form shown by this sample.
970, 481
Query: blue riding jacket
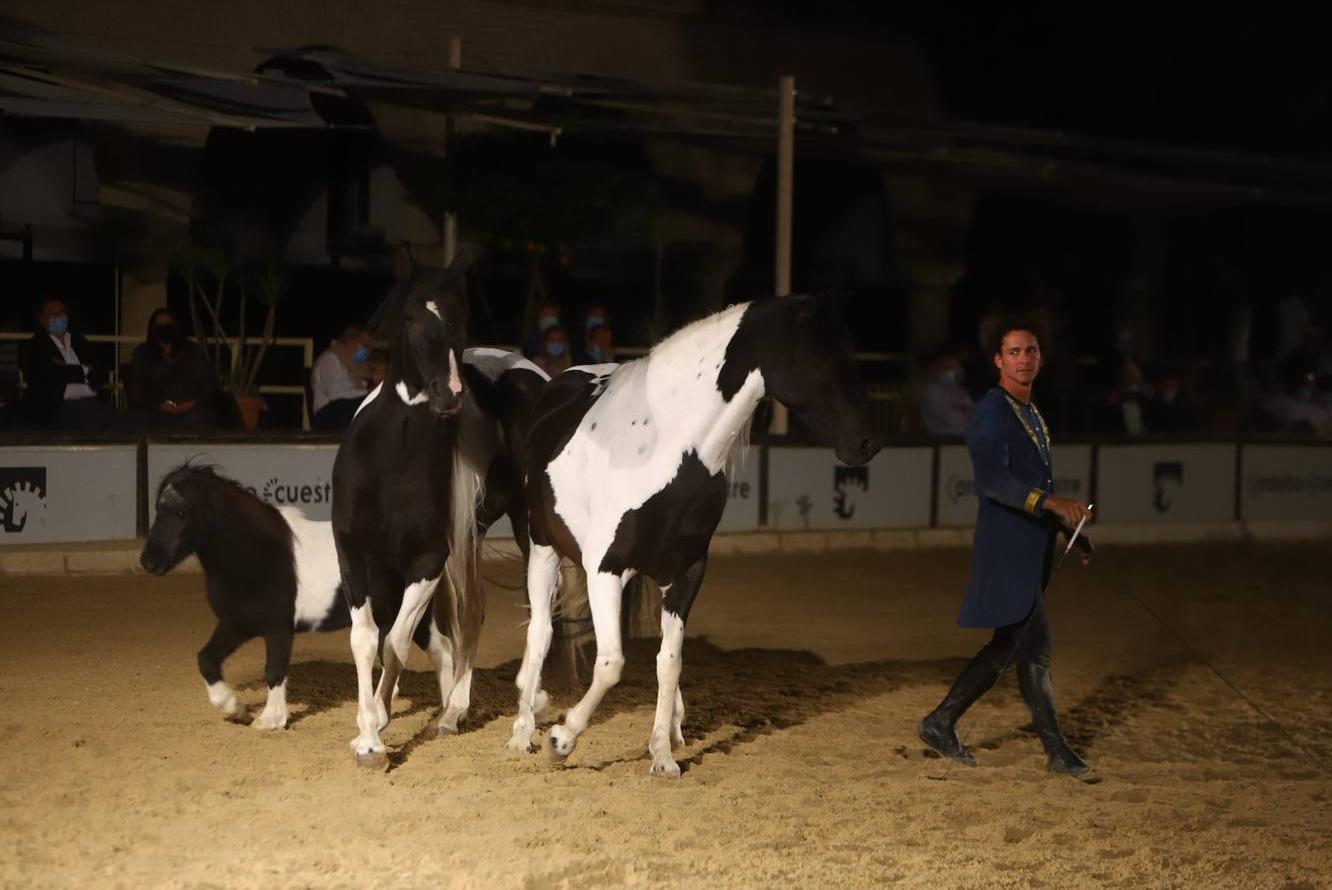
1010, 454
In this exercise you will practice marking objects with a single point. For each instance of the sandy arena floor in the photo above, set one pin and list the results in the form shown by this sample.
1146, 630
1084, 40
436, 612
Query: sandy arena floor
804, 678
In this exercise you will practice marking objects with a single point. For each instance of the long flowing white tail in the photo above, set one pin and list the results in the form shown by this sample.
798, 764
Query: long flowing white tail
466, 600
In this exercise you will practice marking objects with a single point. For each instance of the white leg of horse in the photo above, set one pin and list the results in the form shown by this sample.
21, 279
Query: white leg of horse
274, 715
223, 697
460, 699
441, 657
665, 726
543, 573
364, 644
677, 724
398, 641
603, 594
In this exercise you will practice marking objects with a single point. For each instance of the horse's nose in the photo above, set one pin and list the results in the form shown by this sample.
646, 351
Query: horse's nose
443, 400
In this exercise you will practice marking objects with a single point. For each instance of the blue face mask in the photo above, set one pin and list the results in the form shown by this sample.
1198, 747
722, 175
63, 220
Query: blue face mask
361, 355
58, 325
548, 321
948, 377
555, 348
595, 321
596, 355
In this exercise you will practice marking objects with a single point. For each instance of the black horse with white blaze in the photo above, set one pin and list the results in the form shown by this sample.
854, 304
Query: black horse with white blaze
270, 572
405, 504
626, 473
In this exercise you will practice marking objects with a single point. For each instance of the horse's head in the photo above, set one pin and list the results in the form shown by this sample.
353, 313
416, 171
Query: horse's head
809, 365
427, 322
178, 527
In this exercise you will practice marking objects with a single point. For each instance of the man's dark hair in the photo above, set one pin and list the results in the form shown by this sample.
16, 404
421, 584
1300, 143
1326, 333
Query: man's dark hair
1008, 326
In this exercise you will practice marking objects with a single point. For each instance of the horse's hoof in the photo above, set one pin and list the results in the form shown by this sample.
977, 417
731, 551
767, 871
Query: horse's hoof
446, 730
559, 744
372, 759
518, 746
268, 724
668, 769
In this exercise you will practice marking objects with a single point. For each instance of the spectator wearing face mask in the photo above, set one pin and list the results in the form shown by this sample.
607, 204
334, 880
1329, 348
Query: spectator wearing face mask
553, 356
945, 406
598, 343
548, 316
170, 384
59, 372
1294, 409
339, 380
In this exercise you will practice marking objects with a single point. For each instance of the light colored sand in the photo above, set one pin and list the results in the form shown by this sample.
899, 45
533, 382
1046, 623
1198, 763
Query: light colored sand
804, 677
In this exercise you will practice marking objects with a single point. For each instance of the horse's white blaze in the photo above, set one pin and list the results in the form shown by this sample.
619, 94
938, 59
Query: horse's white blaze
274, 715
407, 398
455, 381
653, 412
221, 696
433, 308
370, 397
317, 572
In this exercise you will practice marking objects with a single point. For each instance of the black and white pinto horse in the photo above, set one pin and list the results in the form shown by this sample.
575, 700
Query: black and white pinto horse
405, 506
626, 473
270, 572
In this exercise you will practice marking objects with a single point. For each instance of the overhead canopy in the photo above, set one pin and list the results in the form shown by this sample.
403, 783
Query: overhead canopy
43, 76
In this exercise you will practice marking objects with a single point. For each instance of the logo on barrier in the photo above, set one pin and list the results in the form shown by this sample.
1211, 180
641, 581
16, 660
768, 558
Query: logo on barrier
1167, 480
282, 494
849, 485
22, 498
960, 487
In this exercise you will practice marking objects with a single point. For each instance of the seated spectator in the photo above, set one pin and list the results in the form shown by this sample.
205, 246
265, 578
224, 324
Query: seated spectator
1125, 406
599, 346
553, 356
1294, 409
598, 343
339, 380
1168, 412
548, 316
170, 384
61, 378
945, 404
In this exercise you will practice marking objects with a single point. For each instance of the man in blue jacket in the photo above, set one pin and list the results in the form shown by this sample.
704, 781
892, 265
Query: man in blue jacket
1015, 528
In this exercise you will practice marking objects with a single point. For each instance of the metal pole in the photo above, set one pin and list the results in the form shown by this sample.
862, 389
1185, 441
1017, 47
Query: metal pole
785, 174
451, 219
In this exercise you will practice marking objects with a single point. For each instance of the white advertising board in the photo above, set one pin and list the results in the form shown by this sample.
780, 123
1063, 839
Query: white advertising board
1286, 482
70, 493
957, 483
1165, 483
808, 488
284, 475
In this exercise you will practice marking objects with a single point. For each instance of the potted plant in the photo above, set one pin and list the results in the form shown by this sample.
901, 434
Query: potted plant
209, 274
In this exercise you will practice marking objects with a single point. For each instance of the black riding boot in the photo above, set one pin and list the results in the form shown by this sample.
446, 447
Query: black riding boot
1034, 681
939, 728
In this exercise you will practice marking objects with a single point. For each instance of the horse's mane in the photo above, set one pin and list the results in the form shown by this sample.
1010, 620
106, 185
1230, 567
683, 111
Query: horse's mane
207, 475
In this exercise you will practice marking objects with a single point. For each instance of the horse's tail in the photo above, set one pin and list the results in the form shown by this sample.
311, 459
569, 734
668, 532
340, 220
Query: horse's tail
467, 598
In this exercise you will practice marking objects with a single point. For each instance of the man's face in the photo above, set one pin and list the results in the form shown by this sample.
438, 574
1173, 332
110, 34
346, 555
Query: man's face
1019, 358
52, 309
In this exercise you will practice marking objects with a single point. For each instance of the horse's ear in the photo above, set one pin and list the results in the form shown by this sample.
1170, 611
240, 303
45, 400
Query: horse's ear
455, 275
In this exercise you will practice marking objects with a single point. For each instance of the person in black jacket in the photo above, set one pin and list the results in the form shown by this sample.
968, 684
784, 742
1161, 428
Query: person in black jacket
59, 373
170, 383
